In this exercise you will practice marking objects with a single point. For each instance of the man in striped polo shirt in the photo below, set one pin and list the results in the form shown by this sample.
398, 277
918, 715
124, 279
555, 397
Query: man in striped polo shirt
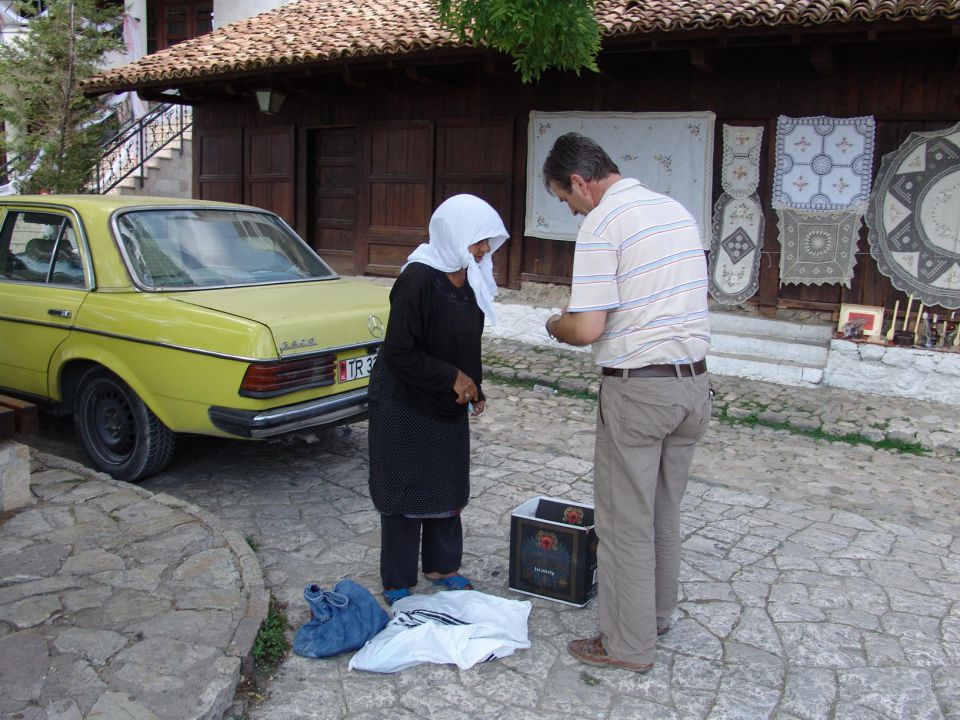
639, 295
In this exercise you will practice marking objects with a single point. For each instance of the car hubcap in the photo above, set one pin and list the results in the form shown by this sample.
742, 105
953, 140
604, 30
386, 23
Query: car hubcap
112, 424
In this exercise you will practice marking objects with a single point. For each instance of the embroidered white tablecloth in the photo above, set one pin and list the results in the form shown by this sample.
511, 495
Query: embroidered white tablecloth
740, 173
818, 248
823, 163
737, 228
735, 252
671, 153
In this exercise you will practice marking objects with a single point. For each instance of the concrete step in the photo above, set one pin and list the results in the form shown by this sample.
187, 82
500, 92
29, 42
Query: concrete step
801, 352
734, 324
769, 350
783, 372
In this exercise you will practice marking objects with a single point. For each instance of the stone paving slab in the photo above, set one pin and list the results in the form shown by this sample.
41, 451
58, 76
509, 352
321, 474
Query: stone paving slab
119, 603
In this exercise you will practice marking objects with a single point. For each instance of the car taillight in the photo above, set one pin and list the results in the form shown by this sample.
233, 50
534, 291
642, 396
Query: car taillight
268, 379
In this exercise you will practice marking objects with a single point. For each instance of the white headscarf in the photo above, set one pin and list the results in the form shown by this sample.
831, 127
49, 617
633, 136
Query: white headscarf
458, 223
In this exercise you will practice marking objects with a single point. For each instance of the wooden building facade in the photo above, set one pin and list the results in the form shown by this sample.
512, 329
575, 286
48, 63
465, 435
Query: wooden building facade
363, 149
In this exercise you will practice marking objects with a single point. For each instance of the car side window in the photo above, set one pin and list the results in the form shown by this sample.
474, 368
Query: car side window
39, 247
67, 269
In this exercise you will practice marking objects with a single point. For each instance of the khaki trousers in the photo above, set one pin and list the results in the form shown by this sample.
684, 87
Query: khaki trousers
647, 430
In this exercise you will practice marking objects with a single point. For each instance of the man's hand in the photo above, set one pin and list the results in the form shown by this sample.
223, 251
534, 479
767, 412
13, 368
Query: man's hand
551, 321
577, 328
465, 388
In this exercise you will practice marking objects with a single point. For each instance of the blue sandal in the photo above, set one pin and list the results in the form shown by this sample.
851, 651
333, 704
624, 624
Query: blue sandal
454, 582
391, 596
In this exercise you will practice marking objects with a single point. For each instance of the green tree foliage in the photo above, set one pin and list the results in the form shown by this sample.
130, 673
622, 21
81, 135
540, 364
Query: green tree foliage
537, 34
55, 143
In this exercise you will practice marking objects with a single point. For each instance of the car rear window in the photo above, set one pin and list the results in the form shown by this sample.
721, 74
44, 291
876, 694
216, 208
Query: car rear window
178, 248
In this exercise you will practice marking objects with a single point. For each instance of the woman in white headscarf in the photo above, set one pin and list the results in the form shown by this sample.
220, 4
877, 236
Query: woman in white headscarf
426, 378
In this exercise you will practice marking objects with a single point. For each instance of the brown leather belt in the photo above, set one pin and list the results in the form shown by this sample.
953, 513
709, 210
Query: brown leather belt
668, 370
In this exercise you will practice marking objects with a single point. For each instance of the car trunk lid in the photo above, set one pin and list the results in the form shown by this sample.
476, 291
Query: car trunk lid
335, 314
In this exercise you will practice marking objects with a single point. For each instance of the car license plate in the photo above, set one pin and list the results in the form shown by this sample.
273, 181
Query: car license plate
355, 368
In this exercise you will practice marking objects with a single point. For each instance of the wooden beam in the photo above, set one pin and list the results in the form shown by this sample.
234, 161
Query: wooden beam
822, 59
412, 72
24, 413
7, 423
349, 78
497, 68
704, 60
159, 96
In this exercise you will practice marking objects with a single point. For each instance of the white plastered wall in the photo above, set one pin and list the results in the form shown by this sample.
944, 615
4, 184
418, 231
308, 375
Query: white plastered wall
228, 11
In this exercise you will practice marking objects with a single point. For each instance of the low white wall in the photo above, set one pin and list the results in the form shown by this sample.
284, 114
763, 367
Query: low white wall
890, 370
226, 12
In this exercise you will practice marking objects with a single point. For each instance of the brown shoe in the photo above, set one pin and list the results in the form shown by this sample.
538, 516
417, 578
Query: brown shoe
663, 630
591, 652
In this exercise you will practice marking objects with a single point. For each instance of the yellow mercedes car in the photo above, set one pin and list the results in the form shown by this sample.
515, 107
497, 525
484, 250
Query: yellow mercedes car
149, 317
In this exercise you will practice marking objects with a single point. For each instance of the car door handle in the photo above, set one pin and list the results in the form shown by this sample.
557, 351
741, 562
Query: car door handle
59, 313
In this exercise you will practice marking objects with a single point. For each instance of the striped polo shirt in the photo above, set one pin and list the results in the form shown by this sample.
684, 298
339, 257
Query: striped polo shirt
639, 257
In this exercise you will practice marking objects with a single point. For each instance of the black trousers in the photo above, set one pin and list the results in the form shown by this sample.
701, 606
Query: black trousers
440, 546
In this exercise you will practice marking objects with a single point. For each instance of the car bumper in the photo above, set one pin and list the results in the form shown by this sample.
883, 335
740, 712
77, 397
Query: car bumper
315, 414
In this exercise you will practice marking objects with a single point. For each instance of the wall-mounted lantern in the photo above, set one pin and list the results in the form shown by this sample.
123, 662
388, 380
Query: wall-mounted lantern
269, 101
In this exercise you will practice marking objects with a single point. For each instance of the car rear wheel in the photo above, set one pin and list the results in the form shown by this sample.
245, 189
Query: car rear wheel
118, 431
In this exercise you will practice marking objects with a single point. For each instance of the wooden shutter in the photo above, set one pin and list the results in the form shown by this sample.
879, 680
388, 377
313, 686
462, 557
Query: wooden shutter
332, 196
219, 165
397, 194
270, 164
476, 156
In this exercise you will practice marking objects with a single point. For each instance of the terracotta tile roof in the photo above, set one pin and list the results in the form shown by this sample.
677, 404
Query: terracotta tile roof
310, 31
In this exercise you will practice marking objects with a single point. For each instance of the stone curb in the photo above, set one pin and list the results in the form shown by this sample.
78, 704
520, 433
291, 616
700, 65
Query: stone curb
253, 587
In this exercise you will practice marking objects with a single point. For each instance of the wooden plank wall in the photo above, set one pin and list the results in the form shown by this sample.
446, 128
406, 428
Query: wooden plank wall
373, 155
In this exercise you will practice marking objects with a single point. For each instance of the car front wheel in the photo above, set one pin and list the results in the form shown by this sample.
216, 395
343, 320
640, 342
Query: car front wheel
118, 431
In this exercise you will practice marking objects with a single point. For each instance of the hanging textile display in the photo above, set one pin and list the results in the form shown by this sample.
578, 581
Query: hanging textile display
823, 167
818, 248
823, 163
734, 273
740, 174
913, 217
671, 153
737, 237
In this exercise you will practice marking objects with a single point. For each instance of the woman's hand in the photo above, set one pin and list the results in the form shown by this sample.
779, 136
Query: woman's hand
478, 407
465, 388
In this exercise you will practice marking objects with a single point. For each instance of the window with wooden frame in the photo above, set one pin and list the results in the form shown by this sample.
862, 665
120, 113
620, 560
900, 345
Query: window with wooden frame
172, 21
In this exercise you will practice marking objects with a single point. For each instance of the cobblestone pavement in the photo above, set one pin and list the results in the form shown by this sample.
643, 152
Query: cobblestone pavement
819, 577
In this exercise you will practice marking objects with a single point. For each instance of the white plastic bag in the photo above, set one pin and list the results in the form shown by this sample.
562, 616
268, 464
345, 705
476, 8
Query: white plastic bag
463, 627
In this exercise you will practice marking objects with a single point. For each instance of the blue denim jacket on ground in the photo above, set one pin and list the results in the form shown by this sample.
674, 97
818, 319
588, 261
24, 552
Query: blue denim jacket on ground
341, 620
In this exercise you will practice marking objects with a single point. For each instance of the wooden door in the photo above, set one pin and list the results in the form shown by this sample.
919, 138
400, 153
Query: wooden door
476, 156
270, 170
218, 165
333, 179
397, 194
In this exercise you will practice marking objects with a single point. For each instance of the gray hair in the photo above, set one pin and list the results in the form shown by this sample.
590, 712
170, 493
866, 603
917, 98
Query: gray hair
576, 154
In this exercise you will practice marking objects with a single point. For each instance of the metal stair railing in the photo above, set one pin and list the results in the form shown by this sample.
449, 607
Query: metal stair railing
129, 150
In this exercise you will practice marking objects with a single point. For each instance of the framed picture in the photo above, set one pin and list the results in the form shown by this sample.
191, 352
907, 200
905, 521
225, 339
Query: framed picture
872, 318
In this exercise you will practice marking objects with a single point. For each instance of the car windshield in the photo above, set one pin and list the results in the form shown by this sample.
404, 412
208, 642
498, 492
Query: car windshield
184, 248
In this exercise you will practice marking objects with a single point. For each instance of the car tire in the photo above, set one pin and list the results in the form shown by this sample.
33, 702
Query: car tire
119, 433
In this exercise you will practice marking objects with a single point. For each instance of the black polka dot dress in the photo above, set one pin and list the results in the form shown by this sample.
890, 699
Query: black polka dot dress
419, 437
418, 465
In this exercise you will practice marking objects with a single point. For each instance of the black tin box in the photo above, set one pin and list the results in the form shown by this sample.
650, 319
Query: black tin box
553, 550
